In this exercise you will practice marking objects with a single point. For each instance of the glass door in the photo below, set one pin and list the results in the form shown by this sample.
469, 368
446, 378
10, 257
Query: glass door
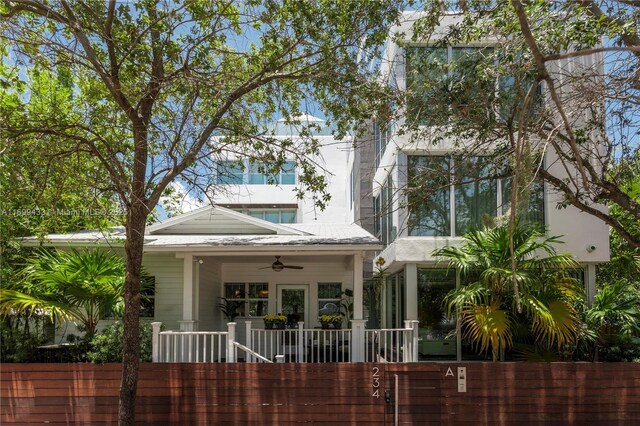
293, 301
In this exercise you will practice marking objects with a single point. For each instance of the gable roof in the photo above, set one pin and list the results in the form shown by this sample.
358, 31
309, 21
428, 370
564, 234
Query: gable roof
216, 220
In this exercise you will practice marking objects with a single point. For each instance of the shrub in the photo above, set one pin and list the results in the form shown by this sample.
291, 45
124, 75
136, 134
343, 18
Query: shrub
107, 346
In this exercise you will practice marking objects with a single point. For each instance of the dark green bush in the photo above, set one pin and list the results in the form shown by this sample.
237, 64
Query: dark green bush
107, 345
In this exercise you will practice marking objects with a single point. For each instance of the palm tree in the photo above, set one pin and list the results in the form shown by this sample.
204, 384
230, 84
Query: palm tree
82, 286
486, 308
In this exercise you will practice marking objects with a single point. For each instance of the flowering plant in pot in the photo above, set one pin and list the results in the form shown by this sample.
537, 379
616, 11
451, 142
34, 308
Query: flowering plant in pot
331, 321
274, 321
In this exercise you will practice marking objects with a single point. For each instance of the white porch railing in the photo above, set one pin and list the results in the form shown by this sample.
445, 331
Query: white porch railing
291, 345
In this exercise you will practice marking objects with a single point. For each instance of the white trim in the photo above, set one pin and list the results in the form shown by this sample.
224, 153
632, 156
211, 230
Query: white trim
279, 229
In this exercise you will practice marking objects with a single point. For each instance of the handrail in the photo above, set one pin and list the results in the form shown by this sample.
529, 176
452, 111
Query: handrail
251, 352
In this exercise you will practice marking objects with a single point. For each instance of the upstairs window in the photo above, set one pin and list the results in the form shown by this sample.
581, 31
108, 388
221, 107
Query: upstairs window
274, 215
239, 172
450, 196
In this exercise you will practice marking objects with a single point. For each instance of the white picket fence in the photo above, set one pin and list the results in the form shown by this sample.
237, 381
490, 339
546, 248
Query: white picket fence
299, 344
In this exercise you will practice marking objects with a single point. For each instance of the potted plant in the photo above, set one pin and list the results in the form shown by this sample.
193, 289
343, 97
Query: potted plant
274, 322
230, 308
331, 321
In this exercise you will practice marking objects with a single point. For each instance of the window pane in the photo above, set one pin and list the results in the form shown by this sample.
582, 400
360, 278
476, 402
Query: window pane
257, 213
258, 308
428, 195
476, 195
230, 172
288, 217
425, 69
326, 307
255, 177
272, 216
258, 291
329, 290
234, 291
530, 204
288, 175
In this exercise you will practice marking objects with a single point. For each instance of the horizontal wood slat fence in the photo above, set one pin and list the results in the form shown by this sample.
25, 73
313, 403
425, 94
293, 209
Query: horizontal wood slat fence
330, 393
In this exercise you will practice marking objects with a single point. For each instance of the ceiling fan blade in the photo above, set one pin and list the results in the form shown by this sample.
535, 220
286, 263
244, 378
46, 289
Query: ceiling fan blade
292, 267
266, 267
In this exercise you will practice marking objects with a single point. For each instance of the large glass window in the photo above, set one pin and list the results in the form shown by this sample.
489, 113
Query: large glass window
428, 195
434, 72
436, 330
238, 172
253, 298
476, 196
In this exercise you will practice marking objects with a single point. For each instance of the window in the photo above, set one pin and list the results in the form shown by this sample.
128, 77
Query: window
254, 296
274, 215
230, 172
429, 195
462, 78
475, 194
384, 229
238, 172
329, 297
148, 296
434, 181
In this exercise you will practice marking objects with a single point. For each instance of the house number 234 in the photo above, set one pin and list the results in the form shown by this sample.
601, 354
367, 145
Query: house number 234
376, 382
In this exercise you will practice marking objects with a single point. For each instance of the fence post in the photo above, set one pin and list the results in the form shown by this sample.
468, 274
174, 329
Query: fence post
249, 341
279, 358
357, 340
414, 339
231, 339
300, 341
155, 342
407, 336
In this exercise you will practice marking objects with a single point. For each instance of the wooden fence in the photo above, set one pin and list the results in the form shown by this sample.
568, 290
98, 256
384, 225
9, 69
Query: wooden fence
331, 393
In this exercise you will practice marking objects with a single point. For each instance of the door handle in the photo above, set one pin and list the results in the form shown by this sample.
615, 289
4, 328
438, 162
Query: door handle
387, 396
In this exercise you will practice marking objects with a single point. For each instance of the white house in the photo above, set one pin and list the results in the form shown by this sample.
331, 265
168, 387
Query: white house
410, 233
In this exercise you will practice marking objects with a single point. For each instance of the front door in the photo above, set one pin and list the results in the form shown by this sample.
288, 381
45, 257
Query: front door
293, 301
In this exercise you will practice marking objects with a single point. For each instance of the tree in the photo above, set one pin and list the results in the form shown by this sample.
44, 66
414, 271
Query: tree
154, 81
587, 117
486, 307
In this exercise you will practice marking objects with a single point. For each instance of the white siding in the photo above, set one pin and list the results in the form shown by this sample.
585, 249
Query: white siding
167, 269
210, 315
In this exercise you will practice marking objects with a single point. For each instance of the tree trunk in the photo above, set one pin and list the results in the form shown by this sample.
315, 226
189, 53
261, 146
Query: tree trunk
131, 334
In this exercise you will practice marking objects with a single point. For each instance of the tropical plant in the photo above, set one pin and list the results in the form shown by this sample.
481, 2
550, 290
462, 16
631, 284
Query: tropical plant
487, 312
83, 286
230, 308
614, 319
107, 345
346, 304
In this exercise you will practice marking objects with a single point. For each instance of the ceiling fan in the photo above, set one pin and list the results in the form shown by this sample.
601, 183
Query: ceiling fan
279, 266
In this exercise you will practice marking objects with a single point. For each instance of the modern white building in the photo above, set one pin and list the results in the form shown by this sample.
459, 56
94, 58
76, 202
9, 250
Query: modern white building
384, 168
241, 187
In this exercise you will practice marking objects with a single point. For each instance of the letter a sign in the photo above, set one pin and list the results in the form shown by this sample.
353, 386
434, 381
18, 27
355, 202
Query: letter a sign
449, 373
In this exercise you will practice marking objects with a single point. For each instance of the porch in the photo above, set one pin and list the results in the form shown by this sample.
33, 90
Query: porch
298, 344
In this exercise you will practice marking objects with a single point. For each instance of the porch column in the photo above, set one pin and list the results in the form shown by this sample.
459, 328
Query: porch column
411, 291
590, 283
189, 295
358, 293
